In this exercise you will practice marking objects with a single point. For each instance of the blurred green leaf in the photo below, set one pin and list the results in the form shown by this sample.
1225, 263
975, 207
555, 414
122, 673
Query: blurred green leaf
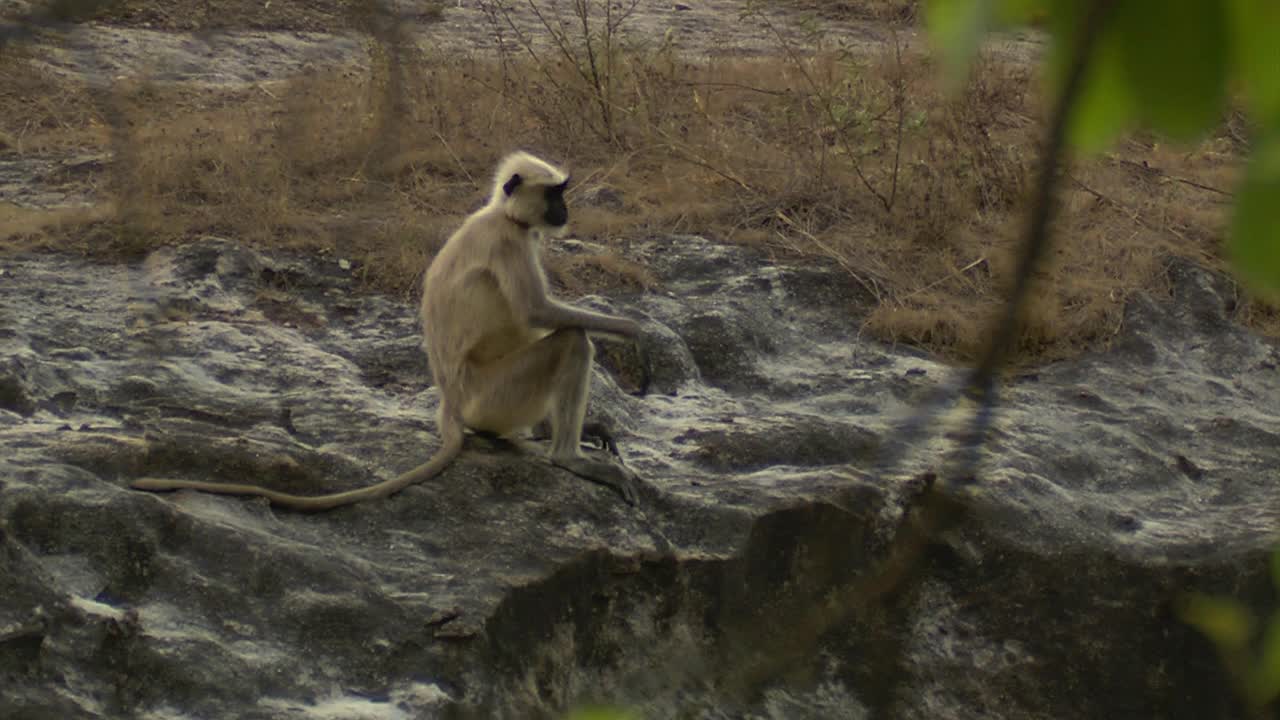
1264, 681
1011, 13
1275, 569
1224, 621
1064, 23
1255, 231
1254, 24
1106, 107
1176, 57
957, 28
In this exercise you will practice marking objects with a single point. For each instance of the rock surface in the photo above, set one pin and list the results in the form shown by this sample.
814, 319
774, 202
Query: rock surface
508, 589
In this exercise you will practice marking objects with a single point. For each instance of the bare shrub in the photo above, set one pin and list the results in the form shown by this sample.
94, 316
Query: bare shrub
587, 38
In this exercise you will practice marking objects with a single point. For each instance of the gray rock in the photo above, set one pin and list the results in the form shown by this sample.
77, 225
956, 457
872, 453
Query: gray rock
508, 589
601, 196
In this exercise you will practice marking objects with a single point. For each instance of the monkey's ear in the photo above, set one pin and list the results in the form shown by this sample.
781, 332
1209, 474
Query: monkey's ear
510, 186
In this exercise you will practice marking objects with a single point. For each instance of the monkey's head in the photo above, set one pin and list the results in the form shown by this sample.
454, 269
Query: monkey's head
530, 192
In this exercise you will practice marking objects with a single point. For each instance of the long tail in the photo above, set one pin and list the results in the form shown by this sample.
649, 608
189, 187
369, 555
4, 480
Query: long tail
314, 503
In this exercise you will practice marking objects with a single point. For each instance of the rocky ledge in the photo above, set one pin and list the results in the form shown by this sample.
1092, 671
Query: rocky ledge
508, 589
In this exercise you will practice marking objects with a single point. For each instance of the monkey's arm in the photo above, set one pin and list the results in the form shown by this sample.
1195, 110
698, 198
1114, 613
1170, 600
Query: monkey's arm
525, 287
553, 315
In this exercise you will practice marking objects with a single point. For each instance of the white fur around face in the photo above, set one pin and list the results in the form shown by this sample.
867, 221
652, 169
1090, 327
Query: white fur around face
527, 204
533, 171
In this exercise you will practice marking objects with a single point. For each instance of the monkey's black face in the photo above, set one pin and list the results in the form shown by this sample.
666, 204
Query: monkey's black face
557, 213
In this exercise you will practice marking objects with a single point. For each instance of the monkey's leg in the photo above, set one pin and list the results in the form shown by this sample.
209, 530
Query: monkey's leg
549, 376
514, 392
602, 472
569, 410
569, 399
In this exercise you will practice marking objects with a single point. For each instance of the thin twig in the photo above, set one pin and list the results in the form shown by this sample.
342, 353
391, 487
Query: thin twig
738, 86
500, 9
689, 157
1037, 237
1134, 215
794, 56
899, 100
456, 159
938, 510
597, 82
1169, 176
870, 286
958, 272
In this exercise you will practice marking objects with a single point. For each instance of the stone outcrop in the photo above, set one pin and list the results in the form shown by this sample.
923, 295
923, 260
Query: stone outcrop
508, 589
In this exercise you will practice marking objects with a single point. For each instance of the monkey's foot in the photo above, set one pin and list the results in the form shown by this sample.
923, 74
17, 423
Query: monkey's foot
596, 434
602, 435
609, 474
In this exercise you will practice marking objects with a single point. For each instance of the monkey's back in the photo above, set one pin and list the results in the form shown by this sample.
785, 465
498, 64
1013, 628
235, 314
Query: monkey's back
466, 317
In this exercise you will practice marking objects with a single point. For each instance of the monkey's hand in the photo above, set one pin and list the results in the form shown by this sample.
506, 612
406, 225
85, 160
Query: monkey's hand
621, 479
628, 328
619, 329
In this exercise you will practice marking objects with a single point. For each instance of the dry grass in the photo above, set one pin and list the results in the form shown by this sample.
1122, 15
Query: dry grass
42, 114
586, 273
33, 228
860, 159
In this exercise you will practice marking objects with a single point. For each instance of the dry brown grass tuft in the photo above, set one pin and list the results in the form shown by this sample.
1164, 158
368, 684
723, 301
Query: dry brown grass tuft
852, 157
585, 273
23, 228
40, 113
204, 172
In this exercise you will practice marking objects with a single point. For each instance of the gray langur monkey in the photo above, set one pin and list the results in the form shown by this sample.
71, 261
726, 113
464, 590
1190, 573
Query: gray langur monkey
503, 353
